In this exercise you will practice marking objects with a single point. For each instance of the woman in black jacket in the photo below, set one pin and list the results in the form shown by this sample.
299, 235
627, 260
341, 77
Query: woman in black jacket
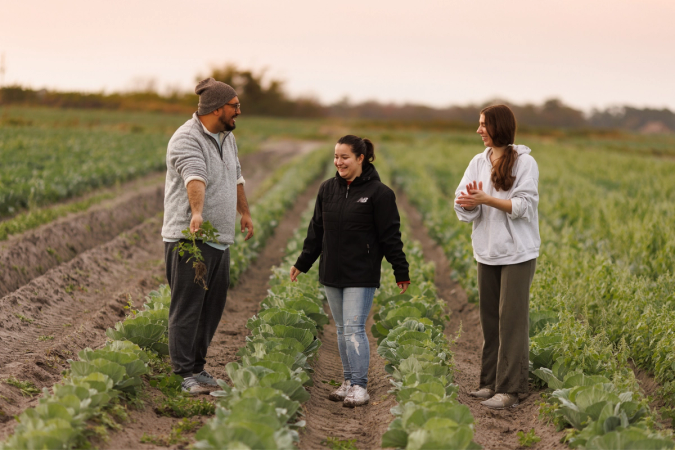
355, 224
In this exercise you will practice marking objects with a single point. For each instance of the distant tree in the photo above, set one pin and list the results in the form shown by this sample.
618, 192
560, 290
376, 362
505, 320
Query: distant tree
259, 96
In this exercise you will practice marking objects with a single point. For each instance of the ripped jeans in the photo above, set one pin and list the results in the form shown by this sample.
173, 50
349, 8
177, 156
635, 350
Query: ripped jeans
350, 307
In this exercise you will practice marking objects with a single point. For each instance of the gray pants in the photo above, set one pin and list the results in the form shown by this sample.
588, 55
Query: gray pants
195, 313
504, 293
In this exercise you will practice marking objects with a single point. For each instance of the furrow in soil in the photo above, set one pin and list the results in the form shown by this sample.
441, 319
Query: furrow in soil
325, 418
495, 429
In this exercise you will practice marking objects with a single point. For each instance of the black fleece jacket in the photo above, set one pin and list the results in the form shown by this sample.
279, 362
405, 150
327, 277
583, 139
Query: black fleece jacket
353, 227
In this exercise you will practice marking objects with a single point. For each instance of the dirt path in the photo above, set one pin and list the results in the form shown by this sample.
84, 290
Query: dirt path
242, 303
495, 429
55, 315
326, 418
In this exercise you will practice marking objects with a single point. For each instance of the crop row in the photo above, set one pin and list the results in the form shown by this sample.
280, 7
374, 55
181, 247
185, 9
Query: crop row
262, 407
49, 165
596, 391
94, 383
409, 329
270, 208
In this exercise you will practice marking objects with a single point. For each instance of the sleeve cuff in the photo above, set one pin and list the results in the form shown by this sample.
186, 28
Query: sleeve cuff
304, 268
400, 278
192, 178
241, 181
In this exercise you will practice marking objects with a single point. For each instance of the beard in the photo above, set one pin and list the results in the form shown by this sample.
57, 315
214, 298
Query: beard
226, 125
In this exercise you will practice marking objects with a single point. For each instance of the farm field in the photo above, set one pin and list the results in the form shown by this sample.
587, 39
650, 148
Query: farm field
601, 310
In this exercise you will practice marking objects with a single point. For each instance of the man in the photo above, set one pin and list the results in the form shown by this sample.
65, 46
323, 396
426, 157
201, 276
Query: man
203, 182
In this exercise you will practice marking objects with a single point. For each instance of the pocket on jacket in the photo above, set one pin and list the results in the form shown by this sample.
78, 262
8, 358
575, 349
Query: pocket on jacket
492, 238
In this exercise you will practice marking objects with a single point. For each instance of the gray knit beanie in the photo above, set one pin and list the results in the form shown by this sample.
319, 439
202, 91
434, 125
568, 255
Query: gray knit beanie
212, 95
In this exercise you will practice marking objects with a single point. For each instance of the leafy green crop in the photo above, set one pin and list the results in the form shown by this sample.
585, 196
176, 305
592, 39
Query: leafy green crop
409, 328
262, 407
528, 439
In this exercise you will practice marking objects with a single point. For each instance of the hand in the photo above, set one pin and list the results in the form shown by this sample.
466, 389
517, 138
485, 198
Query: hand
403, 286
294, 273
473, 197
247, 226
196, 222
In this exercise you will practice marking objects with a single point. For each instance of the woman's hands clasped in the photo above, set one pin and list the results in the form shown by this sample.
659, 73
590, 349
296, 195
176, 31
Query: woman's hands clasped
473, 196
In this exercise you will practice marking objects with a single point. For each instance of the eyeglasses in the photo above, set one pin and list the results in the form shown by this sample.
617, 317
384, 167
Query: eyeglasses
236, 106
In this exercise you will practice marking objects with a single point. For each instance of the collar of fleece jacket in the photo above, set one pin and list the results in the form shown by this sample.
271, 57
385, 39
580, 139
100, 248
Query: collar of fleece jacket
369, 174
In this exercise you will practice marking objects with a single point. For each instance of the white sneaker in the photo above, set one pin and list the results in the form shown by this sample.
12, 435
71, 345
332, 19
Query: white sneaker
205, 378
340, 393
191, 386
357, 396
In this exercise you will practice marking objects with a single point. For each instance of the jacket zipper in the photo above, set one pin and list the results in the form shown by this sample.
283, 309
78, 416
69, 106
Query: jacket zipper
347, 194
368, 247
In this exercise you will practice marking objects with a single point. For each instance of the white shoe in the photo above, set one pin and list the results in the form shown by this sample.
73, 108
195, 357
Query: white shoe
340, 393
204, 377
191, 386
357, 396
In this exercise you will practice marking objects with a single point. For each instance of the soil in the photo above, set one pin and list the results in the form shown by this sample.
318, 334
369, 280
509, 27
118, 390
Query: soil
366, 424
51, 317
494, 429
243, 302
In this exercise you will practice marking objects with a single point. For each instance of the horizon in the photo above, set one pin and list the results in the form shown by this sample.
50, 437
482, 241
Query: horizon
577, 52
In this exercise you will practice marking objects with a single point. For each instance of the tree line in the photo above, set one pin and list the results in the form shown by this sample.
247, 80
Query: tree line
267, 96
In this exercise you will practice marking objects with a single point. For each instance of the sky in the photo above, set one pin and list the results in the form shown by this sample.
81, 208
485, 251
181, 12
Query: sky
589, 53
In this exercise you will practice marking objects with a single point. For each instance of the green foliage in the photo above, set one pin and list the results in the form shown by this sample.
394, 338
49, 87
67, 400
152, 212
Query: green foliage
527, 439
175, 437
183, 405
335, 443
27, 388
44, 165
270, 208
206, 233
410, 328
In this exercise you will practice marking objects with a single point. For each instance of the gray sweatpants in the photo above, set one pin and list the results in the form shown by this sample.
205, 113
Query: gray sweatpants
504, 293
195, 313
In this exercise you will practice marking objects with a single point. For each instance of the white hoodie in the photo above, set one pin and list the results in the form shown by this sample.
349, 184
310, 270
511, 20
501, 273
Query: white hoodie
500, 238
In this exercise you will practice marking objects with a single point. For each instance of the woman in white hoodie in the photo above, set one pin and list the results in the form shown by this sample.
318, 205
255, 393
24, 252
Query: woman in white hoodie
499, 194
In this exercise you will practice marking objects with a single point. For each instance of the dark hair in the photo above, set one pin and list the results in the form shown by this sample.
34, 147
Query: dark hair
360, 146
501, 126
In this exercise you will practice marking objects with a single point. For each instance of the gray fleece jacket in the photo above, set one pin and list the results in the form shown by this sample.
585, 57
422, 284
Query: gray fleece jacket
193, 154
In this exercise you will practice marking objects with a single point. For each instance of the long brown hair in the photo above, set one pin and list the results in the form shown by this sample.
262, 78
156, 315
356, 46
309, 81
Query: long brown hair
501, 126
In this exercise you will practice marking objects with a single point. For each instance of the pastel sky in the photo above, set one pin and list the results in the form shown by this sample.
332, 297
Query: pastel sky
590, 53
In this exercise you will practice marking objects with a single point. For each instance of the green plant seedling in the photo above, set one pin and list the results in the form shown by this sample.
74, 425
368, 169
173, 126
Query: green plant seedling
528, 439
27, 388
176, 435
45, 338
332, 383
335, 443
207, 233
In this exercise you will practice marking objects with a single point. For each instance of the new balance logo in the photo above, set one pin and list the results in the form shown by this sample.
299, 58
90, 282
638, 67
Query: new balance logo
362, 200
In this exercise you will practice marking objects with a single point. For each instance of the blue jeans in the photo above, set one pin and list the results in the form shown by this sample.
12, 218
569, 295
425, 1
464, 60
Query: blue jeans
350, 307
